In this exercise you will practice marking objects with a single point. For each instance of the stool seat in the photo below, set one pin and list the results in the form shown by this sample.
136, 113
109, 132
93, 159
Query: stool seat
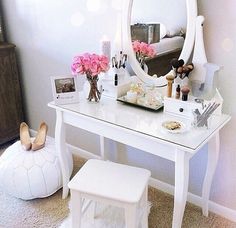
113, 184
111, 180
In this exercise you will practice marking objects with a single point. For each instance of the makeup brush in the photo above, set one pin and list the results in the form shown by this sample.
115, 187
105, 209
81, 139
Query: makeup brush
180, 71
181, 62
170, 78
190, 68
175, 63
185, 90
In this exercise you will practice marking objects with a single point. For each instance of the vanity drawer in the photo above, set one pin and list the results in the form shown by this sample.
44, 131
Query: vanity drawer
179, 107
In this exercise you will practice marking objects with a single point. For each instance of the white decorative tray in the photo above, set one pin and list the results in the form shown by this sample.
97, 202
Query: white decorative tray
149, 107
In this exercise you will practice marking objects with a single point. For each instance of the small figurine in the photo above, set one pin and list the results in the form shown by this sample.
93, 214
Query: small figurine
185, 90
170, 78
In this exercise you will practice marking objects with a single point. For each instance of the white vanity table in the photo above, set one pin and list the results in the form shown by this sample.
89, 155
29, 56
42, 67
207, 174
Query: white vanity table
142, 129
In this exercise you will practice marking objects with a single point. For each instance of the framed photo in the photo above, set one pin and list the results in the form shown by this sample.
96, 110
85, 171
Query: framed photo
65, 89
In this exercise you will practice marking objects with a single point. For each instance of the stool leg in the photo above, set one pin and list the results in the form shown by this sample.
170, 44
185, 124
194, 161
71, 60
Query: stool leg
131, 217
145, 206
94, 209
76, 209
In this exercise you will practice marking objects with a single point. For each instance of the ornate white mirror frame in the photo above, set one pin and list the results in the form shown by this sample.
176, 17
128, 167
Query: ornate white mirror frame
191, 6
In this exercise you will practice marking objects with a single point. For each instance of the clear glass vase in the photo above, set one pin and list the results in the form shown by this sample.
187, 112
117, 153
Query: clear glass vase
94, 93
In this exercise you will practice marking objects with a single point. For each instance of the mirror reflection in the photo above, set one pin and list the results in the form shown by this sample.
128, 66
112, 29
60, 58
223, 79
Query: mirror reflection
158, 33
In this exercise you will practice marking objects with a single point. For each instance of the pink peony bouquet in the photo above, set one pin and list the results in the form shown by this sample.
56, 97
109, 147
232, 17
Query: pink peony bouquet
143, 50
90, 64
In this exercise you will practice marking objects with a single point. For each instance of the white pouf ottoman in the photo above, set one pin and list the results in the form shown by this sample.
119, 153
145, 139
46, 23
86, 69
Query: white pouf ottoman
31, 174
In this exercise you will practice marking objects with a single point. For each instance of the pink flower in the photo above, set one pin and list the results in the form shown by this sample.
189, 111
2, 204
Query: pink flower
136, 45
151, 51
143, 49
91, 64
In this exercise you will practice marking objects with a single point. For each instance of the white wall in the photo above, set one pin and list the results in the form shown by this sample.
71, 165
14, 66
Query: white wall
46, 42
220, 42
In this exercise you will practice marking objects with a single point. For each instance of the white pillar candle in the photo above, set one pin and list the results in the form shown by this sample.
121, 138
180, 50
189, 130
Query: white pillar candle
106, 48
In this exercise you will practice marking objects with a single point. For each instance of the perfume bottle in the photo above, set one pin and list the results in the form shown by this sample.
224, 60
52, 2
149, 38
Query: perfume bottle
177, 92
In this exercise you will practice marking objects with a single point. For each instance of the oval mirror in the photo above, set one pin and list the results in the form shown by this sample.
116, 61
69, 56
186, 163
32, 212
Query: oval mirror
152, 29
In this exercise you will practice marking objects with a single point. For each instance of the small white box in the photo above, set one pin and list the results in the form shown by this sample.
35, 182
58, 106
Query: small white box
112, 91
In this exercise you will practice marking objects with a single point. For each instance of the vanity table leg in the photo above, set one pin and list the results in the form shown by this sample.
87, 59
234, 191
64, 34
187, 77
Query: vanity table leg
62, 150
181, 186
213, 155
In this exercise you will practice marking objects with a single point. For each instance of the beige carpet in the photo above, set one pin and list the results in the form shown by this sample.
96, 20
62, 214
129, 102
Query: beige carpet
106, 217
51, 211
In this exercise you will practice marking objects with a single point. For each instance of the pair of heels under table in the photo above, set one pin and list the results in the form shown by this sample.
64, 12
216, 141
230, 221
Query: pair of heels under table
39, 141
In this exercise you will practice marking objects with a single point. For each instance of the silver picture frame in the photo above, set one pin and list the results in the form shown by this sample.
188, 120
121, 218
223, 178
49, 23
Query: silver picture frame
65, 89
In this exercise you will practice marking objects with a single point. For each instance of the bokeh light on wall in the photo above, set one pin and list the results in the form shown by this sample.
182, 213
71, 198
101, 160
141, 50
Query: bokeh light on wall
117, 4
77, 19
227, 45
93, 5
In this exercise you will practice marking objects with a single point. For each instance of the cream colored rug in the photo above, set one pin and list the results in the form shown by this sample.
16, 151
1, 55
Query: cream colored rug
53, 212
106, 216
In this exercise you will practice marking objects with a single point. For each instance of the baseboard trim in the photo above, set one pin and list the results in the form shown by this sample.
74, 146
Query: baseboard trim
162, 186
196, 200
74, 150
83, 153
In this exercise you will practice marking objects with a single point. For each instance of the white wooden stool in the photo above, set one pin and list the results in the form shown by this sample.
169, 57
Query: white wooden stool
115, 184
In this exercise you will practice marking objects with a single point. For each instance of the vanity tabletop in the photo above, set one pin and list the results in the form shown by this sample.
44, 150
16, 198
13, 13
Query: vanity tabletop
145, 122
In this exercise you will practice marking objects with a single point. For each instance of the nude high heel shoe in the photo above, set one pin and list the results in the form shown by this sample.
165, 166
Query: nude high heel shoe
39, 141
24, 136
